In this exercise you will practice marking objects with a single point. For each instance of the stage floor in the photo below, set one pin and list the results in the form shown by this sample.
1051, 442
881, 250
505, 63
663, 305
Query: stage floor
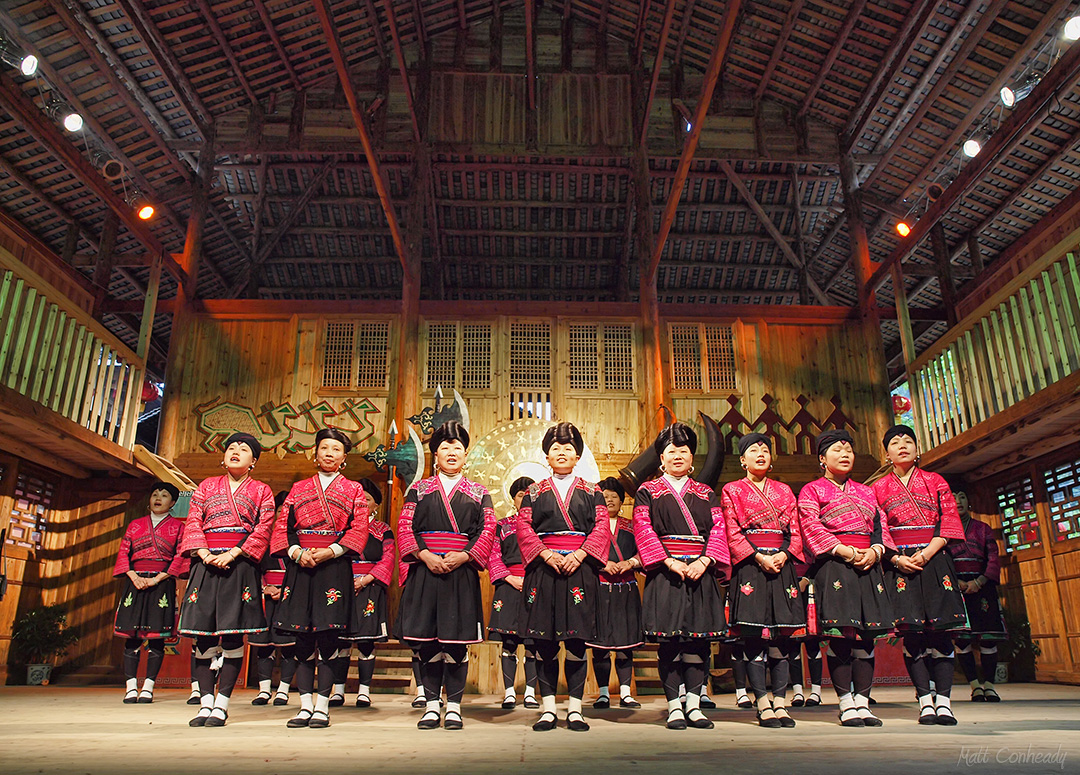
89, 731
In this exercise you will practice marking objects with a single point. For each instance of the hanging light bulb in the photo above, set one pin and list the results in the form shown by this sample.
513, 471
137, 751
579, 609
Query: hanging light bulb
73, 122
1072, 28
903, 228
971, 147
28, 65
145, 211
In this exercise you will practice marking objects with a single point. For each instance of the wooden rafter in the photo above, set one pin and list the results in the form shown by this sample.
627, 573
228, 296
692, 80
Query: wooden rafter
530, 52
712, 75
1027, 115
658, 63
778, 49
838, 45
279, 47
376, 27
688, 19
80, 227
403, 70
226, 48
770, 227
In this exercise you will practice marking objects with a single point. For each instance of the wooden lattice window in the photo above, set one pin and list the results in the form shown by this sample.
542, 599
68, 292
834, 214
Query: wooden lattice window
355, 354
33, 497
702, 357
1063, 495
530, 356
459, 356
601, 356
1019, 521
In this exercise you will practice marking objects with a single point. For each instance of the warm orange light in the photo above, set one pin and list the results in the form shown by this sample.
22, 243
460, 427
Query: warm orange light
145, 212
903, 229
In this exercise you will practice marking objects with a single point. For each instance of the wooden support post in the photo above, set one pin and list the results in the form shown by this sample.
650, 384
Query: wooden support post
532, 129
975, 253
103, 266
168, 445
878, 383
566, 58
903, 315
71, 243
800, 241
146, 329
940, 248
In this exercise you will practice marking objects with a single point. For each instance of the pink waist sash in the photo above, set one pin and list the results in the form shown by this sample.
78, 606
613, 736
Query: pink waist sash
858, 540
765, 539
149, 566
439, 542
562, 543
516, 570
225, 538
682, 547
317, 539
360, 568
916, 535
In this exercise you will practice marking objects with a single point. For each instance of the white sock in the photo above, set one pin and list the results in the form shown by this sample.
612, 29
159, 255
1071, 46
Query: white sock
433, 707
207, 704
221, 703
322, 704
547, 703
682, 692
530, 692
510, 693
420, 693
693, 701
306, 703
363, 689
796, 689
624, 691
283, 688
847, 702
148, 686
942, 702
605, 691
573, 705
862, 704
988, 685
194, 687
132, 685
815, 689
975, 684
338, 689
740, 695
264, 686
453, 707
673, 706
926, 701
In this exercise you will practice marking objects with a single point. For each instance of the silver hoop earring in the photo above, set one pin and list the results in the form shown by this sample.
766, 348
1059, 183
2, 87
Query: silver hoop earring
662, 469
691, 470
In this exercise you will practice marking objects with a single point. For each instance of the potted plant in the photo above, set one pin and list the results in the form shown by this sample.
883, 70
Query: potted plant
39, 636
1019, 653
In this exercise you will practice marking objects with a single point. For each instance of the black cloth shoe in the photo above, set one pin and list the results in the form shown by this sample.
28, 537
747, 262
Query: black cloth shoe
628, 702
430, 720
707, 702
131, 697
337, 700
301, 719
744, 703
575, 722
797, 700
944, 717
530, 702
991, 695
363, 701
319, 720
676, 719
699, 720
281, 699
262, 698
769, 723
216, 721
603, 702
851, 718
927, 715
193, 699
545, 723
452, 721
419, 702
198, 721
813, 700
509, 702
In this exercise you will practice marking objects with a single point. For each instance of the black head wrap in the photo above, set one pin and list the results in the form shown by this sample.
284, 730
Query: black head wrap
830, 437
245, 438
614, 485
563, 433
678, 434
371, 489
335, 435
751, 439
279, 499
898, 430
451, 430
521, 484
172, 489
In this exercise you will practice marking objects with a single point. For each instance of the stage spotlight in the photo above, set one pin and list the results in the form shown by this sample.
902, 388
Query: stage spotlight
26, 63
934, 190
73, 122
1010, 96
145, 211
971, 148
903, 228
1072, 28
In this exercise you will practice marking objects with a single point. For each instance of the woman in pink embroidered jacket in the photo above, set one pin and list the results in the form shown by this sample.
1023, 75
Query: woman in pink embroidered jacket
150, 563
227, 531
766, 608
921, 516
845, 530
445, 531
682, 541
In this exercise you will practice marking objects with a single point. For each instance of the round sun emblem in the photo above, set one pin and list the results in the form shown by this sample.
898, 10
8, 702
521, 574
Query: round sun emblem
511, 450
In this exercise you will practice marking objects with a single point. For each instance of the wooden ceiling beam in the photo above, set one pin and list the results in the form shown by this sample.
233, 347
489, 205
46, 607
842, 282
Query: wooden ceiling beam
1025, 117
58, 209
403, 70
211, 21
712, 75
279, 47
780, 239
658, 63
838, 45
322, 9
688, 19
530, 52
376, 28
778, 49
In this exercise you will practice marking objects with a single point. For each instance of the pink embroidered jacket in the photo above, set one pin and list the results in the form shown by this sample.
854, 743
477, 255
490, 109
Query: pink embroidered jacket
145, 547
826, 509
378, 556
660, 512
926, 501
341, 508
214, 506
751, 513
977, 555
505, 550
465, 510
543, 513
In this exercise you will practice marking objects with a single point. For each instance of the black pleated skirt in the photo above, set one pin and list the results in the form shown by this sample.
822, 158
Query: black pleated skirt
444, 607
765, 604
147, 613
559, 607
223, 601
984, 614
618, 616
929, 600
370, 614
851, 603
272, 636
680, 608
507, 612
316, 599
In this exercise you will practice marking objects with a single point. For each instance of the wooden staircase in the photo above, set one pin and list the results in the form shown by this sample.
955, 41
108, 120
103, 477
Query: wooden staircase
393, 670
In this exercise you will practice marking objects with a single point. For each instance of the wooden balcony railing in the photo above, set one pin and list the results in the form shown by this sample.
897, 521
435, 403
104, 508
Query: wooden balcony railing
1023, 340
54, 353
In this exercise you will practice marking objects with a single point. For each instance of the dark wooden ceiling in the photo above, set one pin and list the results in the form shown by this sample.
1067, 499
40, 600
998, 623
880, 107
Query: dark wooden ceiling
900, 85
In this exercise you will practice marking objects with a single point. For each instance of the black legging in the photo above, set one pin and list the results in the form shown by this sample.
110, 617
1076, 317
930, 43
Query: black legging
849, 672
929, 655
676, 669
624, 666
965, 655
774, 656
444, 664
324, 646
814, 664
230, 667
365, 666
264, 661
155, 655
738, 665
575, 668
510, 662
